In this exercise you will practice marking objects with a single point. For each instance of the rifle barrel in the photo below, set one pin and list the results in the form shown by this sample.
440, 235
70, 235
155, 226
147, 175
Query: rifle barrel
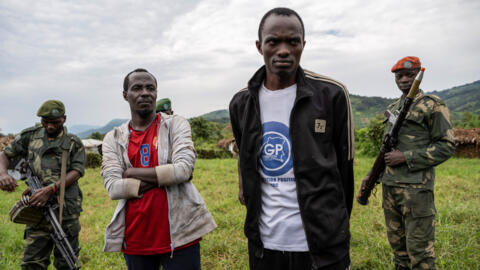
416, 84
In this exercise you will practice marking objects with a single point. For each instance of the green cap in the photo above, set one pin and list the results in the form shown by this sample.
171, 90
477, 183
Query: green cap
163, 104
51, 109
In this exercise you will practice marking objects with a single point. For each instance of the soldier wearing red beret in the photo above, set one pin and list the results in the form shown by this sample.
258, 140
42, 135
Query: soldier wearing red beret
424, 141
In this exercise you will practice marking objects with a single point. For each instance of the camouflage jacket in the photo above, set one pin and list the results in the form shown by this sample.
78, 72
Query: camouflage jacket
426, 140
45, 159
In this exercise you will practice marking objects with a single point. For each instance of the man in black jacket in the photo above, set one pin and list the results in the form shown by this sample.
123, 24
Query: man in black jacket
295, 135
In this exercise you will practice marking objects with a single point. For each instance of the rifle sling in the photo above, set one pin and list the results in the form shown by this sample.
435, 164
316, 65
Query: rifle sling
63, 175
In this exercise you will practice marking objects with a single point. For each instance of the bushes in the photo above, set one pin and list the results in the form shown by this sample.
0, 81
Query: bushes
369, 139
468, 120
94, 160
210, 151
205, 136
204, 131
213, 153
97, 136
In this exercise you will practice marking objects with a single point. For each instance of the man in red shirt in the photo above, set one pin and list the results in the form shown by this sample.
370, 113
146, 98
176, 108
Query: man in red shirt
160, 160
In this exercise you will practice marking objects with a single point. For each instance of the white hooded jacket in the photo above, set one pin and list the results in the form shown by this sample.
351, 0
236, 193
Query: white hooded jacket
188, 216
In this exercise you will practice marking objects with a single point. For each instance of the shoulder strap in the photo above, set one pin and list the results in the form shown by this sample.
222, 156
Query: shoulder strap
63, 175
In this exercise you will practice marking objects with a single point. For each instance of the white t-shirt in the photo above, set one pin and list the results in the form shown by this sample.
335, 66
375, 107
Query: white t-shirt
281, 226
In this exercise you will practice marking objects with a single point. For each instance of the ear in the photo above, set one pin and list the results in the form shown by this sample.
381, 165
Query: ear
304, 42
64, 119
125, 95
259, 47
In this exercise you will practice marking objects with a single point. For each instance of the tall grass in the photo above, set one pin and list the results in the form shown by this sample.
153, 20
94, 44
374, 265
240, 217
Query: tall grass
457, 197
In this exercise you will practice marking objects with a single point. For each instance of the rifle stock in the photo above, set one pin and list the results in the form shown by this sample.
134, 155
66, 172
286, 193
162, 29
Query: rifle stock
375, 173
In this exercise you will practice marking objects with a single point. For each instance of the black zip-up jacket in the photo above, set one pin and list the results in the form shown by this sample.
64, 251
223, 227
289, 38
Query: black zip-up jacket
321, 131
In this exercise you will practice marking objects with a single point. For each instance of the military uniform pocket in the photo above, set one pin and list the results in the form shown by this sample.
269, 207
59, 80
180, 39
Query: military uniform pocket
73, 200
421, 203
72, 228
415, 116
414, 130
411, 177
401, 175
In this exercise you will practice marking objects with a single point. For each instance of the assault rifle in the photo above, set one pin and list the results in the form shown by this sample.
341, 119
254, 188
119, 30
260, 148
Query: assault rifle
58, 235
389, 142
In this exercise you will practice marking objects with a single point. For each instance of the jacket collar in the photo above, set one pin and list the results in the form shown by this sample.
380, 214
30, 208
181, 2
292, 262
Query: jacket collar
121, 133
303, 88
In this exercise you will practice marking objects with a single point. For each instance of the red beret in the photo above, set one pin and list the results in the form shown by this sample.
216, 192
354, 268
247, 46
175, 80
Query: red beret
409, 62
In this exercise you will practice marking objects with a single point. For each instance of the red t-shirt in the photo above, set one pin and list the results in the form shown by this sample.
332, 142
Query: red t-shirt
147, 230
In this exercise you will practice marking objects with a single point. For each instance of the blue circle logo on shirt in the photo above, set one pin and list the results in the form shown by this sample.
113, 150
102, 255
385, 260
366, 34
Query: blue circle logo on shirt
276, 154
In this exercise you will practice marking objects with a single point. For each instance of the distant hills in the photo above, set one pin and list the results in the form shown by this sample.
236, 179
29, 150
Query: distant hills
83, 134
462, 98
459, 99
365, 108
75, 129
219, 116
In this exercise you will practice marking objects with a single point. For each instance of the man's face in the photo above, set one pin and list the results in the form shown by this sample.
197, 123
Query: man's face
53, 126
404, 79
141, 93
281, 45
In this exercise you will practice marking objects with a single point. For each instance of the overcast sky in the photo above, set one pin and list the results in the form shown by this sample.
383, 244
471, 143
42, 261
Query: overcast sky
202, 52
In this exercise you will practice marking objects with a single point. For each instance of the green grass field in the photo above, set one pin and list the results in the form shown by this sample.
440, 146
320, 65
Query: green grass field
457, 197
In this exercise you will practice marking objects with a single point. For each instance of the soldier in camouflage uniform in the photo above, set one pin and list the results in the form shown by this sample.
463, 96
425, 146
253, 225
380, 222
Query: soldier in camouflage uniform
424, 141
42, 146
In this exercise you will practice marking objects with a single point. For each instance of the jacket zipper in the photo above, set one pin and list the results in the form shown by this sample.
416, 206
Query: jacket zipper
294, 165
257, 156
259, 124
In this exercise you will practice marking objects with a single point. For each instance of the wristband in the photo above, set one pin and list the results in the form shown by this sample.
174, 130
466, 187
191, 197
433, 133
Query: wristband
54, 187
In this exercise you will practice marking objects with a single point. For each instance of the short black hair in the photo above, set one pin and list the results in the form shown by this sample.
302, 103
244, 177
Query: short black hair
283, 12
126, 81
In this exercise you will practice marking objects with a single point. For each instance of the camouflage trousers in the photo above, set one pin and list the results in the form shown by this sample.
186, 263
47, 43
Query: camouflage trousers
410, 221
39, 244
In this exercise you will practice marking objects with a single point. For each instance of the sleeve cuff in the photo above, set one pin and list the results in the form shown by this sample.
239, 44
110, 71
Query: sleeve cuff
79, 169
165, 174
131, 187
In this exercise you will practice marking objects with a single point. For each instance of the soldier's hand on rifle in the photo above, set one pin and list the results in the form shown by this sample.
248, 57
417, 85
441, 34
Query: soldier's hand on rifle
27, 192
364, 183
40, 197
7, 182
394, 158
